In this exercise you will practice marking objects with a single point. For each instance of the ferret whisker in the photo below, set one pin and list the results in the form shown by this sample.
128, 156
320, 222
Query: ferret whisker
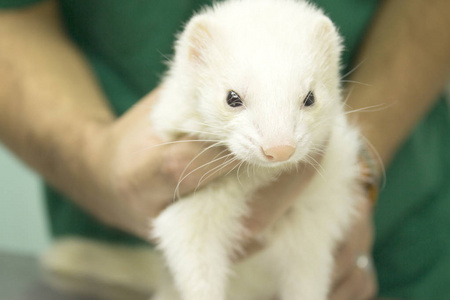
237, 173
375, 152
353, 70
208, 125
348, 96
176, 142
215, 170
238, 166
312, 163
371, 108
166, 58
190, 131
318, 149
176, 192
192, 160
232, 169
183, 177
225, 162
357, 82
211, 126
316, 162
220, 153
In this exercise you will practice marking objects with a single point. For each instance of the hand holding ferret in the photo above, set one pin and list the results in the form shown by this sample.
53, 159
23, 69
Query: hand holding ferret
139, 173
354, 272
143, 172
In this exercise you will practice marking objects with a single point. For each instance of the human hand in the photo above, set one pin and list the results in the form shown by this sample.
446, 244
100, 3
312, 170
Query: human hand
354, 275
138, 173
265, 211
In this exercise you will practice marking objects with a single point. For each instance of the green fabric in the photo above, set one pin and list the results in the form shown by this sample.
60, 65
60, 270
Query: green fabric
5, 4
412, 249
126, 42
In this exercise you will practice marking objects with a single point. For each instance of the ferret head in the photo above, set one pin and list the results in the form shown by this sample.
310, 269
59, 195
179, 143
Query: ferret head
264, 78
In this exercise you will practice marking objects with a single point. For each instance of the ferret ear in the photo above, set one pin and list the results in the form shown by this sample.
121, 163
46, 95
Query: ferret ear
327, 37
199, 37
324, 28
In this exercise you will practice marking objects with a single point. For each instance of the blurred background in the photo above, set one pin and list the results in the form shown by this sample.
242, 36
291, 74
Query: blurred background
24, 232
23, 226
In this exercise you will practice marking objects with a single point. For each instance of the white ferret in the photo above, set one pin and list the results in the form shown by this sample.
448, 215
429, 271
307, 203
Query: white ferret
261, 77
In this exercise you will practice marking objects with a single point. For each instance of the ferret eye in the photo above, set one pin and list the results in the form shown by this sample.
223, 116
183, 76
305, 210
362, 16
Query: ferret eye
309, 99
233, 99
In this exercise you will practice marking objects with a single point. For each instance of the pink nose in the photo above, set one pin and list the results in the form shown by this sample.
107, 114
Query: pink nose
278, 153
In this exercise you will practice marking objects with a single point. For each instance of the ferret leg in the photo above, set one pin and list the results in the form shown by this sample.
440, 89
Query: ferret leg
307, 278
197, 235
303, 252
253, 279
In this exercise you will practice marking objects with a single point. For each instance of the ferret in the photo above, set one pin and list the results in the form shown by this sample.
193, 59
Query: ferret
260, 77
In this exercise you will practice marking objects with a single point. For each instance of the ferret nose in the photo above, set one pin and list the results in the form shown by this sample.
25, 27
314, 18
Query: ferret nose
278, 153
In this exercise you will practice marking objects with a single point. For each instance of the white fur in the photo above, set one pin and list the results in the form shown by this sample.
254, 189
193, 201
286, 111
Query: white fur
272, 53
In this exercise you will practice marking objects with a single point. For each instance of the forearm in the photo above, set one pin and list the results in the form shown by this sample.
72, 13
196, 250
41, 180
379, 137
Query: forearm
50, 104
405, 64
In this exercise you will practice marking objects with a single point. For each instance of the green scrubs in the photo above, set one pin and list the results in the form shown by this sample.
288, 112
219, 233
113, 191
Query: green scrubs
126, 41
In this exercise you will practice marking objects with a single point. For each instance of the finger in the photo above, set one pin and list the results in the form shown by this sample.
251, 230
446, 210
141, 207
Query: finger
249, 248
344, 263
359, 285
191, 164
185, 164
165, 174
275, 199
358, 239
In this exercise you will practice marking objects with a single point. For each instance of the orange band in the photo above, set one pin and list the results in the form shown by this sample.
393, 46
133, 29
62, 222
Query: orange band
369, 174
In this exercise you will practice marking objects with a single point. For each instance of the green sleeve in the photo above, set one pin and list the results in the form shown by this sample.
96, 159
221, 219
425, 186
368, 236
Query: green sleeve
16, 3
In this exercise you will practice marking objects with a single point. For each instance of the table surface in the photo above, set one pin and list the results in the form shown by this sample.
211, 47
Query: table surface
20, 279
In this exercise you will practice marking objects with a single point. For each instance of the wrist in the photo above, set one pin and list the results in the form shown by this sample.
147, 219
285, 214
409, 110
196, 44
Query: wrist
94, 158
80, 175
105, 197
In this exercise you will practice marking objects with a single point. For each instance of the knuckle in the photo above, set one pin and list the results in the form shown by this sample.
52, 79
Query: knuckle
253, 229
